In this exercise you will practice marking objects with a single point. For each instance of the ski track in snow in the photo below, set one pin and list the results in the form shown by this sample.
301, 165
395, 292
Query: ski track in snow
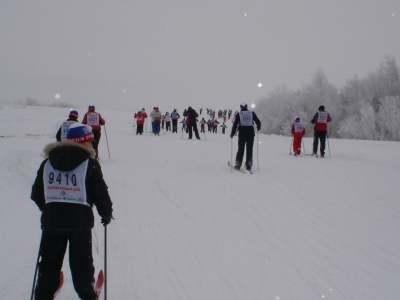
186, 227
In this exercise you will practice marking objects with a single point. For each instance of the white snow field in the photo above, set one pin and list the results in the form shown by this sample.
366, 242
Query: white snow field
187, 228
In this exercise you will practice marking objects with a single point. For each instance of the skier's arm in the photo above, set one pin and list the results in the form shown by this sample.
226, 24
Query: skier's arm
99, 191
314, 120
235, 124
58, 135
257, 120
37, 193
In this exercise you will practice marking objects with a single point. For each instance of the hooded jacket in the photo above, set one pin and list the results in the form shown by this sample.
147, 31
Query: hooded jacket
64, 217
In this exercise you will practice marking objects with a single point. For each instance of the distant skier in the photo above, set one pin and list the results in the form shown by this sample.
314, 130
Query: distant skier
202, 124
298, 131
191, 115
140, 117
167, 121
175, 116
183, 124
245, 120
223, 128
157, 121
320, 121
94, 120
152, 119
62, 131
68, 183
215, 126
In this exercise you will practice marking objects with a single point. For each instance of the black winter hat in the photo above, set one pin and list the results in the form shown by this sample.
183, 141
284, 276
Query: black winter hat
321, 107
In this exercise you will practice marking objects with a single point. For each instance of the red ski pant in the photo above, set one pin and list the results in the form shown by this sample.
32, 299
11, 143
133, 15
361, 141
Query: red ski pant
297, 142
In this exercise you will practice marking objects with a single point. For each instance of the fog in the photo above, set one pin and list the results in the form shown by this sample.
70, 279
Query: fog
172, 54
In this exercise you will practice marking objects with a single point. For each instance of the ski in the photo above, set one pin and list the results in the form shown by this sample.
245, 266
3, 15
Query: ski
229, 164
60, 284
99, 284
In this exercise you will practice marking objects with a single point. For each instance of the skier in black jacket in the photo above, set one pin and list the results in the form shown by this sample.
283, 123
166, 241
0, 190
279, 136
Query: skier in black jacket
192, 115
245, 120
62, 131
68, 183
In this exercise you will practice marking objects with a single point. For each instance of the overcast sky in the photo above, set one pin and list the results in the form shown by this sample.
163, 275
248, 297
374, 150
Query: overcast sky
172, 54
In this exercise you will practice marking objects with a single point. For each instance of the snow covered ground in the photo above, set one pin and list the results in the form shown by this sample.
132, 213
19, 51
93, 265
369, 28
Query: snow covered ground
187, 228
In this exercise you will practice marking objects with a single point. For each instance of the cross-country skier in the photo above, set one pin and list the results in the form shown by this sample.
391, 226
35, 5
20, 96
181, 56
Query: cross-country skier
320, 121
215, 126
167, 121
191, 115
298, 131
94, 120
223, 127
68, 183
245, 120
157, 121
175, 116
202, 124
140, 119
62, 131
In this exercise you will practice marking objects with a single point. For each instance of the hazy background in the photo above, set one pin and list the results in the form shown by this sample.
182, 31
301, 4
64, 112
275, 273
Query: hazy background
143, 53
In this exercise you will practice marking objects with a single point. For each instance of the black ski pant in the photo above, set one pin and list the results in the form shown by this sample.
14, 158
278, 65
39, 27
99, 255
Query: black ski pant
248, 142
174, 125
319, 135
96, 141
194, 128
139, 128
52, 251
168, 126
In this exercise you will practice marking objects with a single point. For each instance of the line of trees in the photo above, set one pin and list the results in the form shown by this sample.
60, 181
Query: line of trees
366, 108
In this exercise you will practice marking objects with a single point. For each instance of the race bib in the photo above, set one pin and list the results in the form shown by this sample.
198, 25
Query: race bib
65, 186
93, 119
64, 129
298, 128
322, 117
246, 118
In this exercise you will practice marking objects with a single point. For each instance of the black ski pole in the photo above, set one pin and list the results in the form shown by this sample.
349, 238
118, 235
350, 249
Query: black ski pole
231, 154
105, 262
105, 131
36, 270
258, 165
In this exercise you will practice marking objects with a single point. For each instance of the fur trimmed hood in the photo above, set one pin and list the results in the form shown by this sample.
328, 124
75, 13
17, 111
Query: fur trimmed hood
67, 155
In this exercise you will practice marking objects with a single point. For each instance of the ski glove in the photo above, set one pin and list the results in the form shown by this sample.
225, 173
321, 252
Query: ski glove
106, 221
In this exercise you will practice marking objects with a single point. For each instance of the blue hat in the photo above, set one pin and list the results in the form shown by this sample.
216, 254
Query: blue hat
242, 105
80, 133
73, 113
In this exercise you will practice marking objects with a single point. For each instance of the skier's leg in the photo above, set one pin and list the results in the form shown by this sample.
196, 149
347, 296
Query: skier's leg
52, 253
240, 152
249, 151
315, 143
322, 137
81, 264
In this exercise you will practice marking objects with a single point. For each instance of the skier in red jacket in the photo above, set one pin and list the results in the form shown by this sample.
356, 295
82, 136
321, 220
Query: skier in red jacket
320, 121
298, 131
140, 118
94, 120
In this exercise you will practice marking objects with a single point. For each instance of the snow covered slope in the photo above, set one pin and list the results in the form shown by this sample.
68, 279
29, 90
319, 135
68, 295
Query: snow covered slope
187, 228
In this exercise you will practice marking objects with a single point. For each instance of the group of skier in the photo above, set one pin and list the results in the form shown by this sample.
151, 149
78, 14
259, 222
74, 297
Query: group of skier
70, 181
320, 121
